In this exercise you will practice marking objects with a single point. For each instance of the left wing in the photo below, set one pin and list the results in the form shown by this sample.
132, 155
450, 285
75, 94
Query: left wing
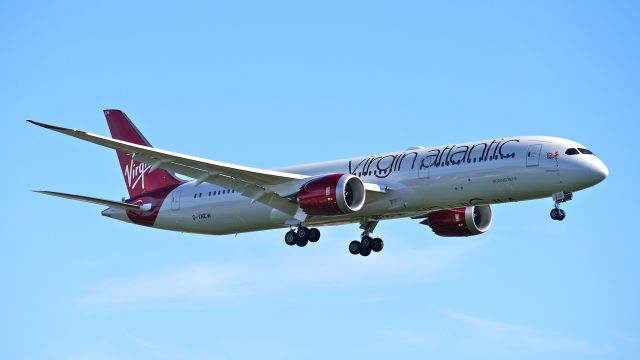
272, 188
266, 186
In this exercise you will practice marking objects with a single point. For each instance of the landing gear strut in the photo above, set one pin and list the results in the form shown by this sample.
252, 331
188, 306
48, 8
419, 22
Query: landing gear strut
366, 244
301, 236
559, 198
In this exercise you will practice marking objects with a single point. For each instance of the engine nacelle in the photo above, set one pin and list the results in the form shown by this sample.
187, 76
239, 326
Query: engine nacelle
334, 194
469, 221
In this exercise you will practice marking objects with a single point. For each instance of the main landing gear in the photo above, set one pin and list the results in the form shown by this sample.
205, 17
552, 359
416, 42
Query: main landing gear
366, 244
302, 236
559, 198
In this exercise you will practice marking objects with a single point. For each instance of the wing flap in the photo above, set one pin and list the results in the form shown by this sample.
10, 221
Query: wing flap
255, 192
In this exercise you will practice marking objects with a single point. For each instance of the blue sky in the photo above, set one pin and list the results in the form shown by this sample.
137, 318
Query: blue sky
269, 84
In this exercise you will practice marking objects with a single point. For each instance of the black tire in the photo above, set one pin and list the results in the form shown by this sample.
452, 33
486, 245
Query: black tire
291, 238
377, 245
366, 242
303, 232
555, 214
354, 247
562, 215
365, 251
302, 242
314, 234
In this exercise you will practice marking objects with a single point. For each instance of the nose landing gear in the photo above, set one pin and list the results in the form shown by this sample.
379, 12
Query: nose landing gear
557, 214
558, 198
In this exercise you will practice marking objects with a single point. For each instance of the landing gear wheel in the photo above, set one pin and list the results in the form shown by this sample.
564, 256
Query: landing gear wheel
365, 251
291, 238
559, 198
303, 232
377, 244
354, 247
314, 234
366, 242
302, 242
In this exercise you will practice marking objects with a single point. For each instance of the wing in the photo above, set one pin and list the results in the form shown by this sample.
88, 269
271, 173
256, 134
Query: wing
110, 203
272, 188
266, 186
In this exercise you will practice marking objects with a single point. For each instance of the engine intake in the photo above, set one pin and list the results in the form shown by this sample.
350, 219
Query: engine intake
334, 194
469, 221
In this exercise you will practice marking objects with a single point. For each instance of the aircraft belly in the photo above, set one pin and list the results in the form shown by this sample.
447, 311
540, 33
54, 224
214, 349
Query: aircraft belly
217, 218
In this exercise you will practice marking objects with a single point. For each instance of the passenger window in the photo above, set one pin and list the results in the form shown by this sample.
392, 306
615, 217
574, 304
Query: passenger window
585, 151
572, 151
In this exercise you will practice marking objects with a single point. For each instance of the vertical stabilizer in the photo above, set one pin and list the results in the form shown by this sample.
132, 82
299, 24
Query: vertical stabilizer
137, 177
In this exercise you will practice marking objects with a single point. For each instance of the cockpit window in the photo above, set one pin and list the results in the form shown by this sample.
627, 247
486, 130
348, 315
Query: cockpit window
572, 151
585, 151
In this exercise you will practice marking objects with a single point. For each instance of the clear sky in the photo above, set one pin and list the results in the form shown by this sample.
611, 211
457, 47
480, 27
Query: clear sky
269, 84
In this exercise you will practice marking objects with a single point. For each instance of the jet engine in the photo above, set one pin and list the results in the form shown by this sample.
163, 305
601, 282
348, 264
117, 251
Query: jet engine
469, 221
334, 194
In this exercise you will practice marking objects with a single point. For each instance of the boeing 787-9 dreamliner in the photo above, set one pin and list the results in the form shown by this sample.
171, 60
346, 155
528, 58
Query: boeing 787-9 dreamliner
449, 188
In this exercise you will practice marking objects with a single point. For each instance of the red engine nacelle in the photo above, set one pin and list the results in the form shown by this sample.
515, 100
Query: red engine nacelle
472, 220
334, 194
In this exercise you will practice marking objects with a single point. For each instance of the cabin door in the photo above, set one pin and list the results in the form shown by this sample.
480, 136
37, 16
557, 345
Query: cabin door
533, 155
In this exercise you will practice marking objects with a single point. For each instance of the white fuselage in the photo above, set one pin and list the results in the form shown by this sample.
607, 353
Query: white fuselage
417, 181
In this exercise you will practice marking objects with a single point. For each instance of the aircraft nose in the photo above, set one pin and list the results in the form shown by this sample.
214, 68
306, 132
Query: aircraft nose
599, 170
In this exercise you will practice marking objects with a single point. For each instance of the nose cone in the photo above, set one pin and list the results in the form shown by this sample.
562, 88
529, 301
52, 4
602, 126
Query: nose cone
599, 170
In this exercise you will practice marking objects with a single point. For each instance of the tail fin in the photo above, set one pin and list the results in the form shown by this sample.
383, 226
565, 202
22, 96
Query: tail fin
136, 174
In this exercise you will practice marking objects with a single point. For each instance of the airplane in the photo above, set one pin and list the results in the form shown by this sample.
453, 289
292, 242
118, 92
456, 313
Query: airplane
449, 188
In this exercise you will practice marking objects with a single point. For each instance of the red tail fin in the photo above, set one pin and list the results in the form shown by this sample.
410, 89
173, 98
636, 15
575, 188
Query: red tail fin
136, 174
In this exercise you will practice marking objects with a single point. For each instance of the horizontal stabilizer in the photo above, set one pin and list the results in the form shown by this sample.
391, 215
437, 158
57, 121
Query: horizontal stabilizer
110, 203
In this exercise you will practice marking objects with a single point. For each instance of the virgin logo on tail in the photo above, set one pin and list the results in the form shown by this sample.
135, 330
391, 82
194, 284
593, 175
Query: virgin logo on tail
134, 173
